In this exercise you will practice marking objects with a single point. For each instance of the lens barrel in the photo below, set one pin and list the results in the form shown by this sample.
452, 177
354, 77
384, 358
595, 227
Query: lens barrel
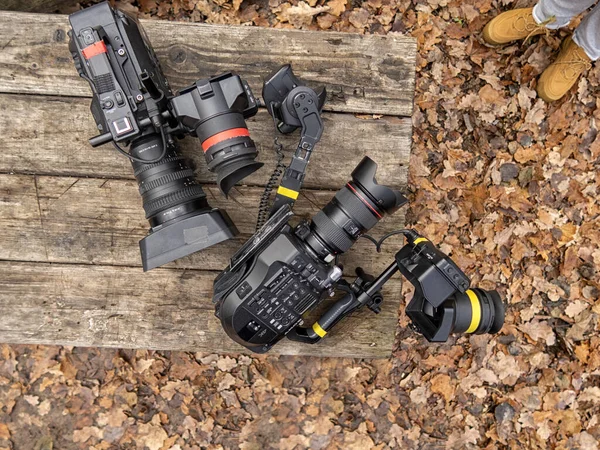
182, 222
355, 209
478, 311
228, 149
168, 188
215, 110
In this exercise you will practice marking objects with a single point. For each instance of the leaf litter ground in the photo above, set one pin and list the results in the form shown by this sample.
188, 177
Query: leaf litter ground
501, 180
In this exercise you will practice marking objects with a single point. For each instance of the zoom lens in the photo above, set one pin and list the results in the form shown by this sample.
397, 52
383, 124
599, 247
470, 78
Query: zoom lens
355, 209
477, 311
181, 219
168, 188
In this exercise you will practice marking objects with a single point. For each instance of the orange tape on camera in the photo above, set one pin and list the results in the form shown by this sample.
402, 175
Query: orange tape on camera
224, 135
96, 48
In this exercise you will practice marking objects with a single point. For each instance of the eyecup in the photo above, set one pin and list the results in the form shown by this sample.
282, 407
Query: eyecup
500, 312
230, 175
386, 198
185, 237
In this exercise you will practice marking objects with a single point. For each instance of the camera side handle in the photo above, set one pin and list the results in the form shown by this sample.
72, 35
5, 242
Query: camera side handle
364, 291
305, 102
340, 309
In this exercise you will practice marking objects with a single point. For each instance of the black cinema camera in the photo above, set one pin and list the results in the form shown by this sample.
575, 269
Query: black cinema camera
283, 271
133, 105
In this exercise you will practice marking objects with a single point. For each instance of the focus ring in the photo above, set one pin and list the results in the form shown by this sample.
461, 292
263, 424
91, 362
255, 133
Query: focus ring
167, 159
331, 232
180, 196
356, 209
172, 176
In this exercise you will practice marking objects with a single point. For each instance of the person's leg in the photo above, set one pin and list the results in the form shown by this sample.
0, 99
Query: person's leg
587, 35
562, 11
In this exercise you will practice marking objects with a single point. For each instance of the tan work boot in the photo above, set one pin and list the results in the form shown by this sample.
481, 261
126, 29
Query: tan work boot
513, 26
560, 76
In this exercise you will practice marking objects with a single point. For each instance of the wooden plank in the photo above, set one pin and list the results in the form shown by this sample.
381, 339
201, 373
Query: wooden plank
162, 309
95, 221
40, 6
365, 74
48, 135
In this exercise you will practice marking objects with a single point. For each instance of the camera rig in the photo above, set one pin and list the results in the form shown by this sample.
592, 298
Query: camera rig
284, 271
132, 104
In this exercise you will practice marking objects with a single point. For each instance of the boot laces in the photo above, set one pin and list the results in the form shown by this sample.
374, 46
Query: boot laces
533, 27
574, 67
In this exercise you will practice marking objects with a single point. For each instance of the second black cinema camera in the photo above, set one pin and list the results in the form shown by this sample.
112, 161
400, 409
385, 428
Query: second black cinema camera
284, 271
133, 106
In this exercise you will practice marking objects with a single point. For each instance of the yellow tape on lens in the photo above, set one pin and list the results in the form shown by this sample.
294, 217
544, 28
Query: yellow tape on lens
317, 329
288, 192
476, 311
421, 239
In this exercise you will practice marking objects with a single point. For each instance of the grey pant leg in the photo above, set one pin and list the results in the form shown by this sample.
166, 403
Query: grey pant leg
562, 10
587, 34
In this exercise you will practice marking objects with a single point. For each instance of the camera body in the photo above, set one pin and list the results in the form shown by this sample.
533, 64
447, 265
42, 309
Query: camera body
128, 83
133, 105
283, 271
271, 282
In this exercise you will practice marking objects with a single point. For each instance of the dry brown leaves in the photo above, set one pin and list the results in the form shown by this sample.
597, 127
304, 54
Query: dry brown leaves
504, 182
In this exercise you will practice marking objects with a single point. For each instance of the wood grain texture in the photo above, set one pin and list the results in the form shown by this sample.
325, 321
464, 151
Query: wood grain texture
162, 309
95, 221
39, 6
48, 135
366, 74
71, 215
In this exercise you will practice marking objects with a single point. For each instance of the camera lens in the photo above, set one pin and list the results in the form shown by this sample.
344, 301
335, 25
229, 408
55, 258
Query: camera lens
181, 219
215, 110
168, 188
355, 209
478, 311
228, 149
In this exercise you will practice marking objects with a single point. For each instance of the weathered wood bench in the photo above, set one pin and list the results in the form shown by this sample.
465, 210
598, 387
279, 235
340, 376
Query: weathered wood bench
71, 216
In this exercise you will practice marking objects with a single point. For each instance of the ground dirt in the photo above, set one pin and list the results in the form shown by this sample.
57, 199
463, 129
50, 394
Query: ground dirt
503, 181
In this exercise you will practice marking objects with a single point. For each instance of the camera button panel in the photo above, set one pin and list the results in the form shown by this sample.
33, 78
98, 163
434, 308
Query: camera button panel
243, 290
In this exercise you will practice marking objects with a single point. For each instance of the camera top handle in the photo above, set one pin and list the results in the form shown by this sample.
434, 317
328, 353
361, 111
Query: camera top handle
293, 105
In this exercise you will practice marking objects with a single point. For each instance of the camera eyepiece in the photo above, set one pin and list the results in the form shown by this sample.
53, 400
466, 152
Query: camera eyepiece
215, 110
478, 311
355, 209
231, 155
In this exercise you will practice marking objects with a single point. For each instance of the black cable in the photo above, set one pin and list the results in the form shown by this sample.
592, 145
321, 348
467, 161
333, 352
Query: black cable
146, 161
263, 206
379, 243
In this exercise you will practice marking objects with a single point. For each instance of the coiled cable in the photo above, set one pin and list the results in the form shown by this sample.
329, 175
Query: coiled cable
263, 206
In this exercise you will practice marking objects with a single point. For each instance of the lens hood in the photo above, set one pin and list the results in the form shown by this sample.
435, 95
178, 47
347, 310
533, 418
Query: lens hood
185, 237
386, 198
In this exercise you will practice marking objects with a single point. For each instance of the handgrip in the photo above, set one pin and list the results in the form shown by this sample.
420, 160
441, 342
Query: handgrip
340, 309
